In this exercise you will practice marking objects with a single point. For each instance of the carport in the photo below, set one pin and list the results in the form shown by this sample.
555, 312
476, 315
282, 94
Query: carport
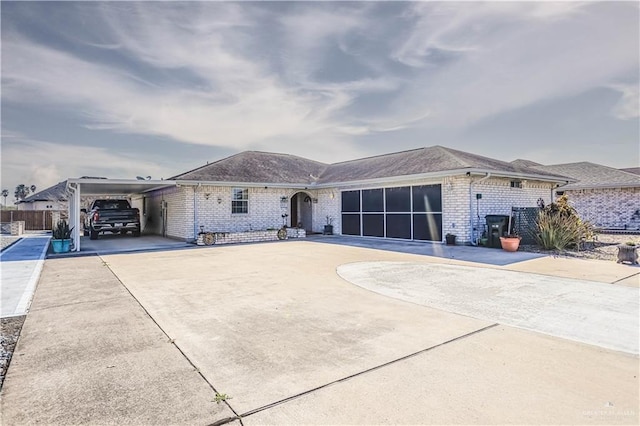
78, 187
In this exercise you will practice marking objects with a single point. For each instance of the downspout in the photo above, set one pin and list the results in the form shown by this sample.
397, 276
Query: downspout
474, 241
195, 212
74, 217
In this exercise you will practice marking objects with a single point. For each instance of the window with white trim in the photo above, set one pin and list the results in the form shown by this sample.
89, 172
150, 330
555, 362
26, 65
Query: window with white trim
240, 201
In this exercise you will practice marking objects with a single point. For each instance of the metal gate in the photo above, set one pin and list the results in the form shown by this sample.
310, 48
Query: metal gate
524, 223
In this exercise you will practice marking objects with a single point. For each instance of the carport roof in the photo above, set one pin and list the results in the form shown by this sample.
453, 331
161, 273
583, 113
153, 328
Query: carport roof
118, 186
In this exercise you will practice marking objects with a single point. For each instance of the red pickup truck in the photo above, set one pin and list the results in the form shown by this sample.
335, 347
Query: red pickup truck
115, 216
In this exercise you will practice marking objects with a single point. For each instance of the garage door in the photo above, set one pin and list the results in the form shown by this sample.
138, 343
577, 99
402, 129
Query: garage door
406, 212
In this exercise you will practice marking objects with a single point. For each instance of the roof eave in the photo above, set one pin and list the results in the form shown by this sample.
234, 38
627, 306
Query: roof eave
601, 186
180, 182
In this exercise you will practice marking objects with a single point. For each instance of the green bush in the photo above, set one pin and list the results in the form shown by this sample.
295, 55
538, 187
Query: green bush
560, 227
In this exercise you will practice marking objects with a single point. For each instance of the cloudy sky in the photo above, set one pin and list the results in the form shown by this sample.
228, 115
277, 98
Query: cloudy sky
123, 89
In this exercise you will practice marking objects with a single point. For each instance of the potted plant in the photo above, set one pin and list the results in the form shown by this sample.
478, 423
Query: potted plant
627, 253
61, 240
510, 242
328, 228
451, 239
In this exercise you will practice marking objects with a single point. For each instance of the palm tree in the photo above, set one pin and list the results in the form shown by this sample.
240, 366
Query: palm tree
5, 194
33, 189
21, 192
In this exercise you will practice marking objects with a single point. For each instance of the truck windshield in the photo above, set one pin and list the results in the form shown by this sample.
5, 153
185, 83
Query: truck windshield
112, 204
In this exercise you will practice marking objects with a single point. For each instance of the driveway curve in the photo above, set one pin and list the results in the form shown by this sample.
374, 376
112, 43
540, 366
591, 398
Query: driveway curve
585, 311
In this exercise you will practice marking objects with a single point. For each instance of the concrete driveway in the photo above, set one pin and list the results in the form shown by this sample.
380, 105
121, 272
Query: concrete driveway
580, 310
278, 330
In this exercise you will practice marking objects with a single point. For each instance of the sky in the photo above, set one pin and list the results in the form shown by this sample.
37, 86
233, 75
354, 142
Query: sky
122, 89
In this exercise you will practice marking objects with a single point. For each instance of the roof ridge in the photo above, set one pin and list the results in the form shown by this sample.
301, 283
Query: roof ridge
379, 155
452, 155
207, 165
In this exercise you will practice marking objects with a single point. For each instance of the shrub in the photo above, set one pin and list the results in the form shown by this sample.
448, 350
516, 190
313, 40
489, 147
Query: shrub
62, 231
560, 227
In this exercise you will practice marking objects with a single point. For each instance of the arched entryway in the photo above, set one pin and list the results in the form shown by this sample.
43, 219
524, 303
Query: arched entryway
301, 211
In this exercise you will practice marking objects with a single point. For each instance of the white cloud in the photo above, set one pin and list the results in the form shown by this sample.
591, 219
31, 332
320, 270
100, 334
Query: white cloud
628, 107
509, 55
241, 76
45, 163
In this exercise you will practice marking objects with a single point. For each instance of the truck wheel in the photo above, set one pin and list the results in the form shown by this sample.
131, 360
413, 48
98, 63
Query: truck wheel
93, 235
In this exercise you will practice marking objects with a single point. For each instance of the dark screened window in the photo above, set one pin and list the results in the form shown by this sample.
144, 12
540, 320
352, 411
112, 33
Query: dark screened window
240, 201
426, 198
398, 199
399, 226
427, 226
351, 224
372, 200
373, 225
351, 201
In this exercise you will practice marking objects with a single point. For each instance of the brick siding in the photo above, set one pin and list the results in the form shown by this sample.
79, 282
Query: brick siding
265, 209
607, 208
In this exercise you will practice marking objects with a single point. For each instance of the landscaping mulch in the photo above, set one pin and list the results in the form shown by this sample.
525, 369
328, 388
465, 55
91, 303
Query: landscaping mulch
605, 247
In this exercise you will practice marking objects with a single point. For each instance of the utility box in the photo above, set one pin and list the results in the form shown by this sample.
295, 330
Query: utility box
497, 226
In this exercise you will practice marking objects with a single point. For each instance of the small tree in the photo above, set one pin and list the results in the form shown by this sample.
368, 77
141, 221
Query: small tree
5, 194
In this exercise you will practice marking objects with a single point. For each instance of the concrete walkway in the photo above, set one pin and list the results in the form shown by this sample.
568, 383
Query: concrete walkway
585, 311
89, 354
20, 267
484, 255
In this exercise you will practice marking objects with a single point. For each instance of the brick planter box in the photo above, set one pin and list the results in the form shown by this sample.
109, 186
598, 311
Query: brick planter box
254, 236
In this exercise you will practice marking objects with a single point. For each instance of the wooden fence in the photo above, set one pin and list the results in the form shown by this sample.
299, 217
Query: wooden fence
34, 220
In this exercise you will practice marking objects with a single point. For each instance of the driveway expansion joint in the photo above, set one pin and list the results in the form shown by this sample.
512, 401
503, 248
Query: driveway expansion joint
82, 302
625, 278
172, 341
369, 370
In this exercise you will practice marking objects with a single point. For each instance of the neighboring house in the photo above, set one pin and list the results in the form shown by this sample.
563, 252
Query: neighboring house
634, 170
421, 194
608, 198
53, 198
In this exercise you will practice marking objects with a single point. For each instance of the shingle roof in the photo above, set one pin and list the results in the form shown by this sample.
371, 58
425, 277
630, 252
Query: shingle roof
591, 175
634, 170
258, 167
421, 161
524, 163
56, 192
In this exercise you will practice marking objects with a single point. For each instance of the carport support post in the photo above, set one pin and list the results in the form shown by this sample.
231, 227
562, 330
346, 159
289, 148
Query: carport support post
74, 214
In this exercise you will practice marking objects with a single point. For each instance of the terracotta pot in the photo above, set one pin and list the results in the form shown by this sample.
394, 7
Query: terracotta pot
510, 243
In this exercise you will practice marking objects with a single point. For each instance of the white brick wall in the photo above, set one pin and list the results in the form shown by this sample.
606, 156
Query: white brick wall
213, 206
498, 198
607, 208
265, 209
179, 202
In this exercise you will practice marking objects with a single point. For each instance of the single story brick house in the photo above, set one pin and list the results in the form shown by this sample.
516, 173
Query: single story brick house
53, 198
421, 194
608, 198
